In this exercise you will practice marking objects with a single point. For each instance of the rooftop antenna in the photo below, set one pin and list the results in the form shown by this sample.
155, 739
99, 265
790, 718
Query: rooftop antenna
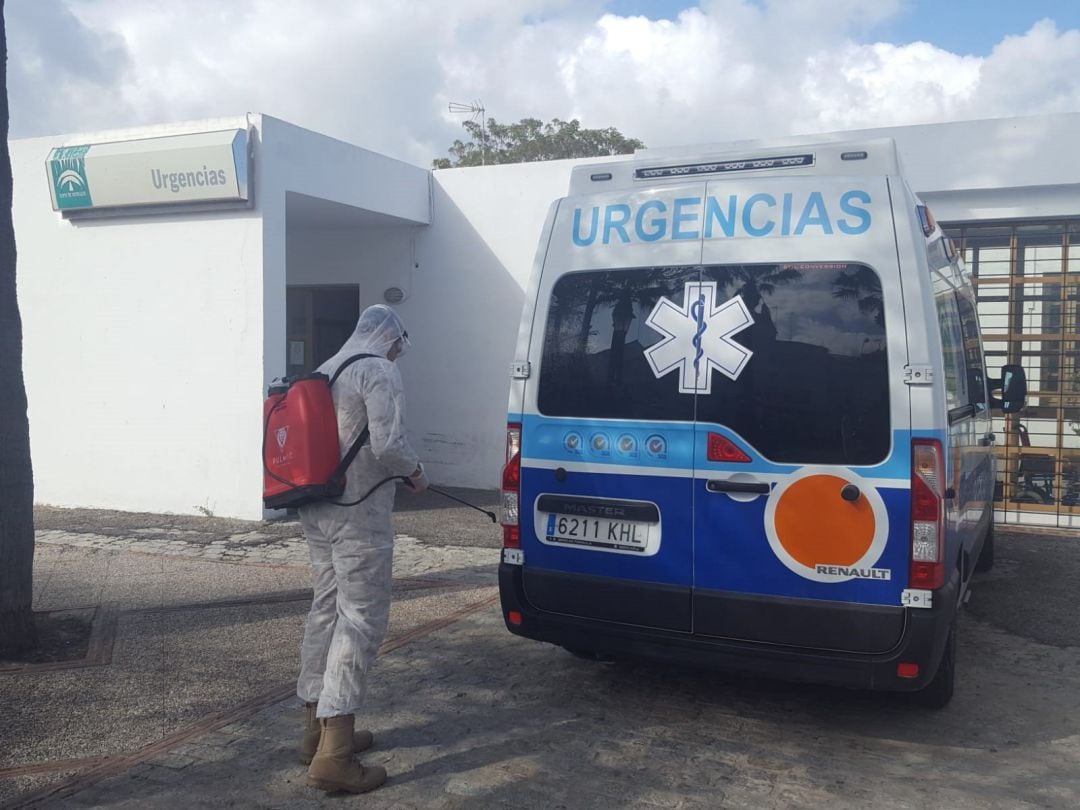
476, 110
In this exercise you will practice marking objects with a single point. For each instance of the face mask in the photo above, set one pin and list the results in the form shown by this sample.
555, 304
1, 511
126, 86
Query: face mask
404, 343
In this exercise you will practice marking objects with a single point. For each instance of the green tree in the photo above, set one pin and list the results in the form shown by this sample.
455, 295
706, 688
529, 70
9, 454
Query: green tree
531, 139
17, 631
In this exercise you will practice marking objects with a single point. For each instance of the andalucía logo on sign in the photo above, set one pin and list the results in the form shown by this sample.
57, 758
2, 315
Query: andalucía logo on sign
67, 167
697, 337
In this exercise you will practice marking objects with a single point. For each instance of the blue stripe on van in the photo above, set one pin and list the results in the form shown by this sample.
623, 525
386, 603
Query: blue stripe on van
672, 445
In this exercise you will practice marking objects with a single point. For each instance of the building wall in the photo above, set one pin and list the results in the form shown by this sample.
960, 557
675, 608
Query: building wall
143, 348
474, 263
374, 257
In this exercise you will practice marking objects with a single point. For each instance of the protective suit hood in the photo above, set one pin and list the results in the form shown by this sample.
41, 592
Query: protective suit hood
376, 332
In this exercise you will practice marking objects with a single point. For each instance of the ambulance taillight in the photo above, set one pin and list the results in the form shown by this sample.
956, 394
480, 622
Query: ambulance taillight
511, 488
927, 515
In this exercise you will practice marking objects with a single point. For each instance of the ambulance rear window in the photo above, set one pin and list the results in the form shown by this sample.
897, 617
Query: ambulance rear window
791, 357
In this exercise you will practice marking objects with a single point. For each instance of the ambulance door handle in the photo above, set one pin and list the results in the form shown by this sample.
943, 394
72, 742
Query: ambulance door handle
748, 487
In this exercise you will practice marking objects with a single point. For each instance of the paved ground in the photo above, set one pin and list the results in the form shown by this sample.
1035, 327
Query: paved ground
190, 704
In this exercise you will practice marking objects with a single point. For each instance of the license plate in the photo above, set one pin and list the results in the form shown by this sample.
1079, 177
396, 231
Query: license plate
623, 535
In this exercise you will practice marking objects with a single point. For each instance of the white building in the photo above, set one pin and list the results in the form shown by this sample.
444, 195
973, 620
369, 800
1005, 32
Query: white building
159, 304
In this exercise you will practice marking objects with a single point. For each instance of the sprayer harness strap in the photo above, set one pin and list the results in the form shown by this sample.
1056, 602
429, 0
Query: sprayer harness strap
361, 440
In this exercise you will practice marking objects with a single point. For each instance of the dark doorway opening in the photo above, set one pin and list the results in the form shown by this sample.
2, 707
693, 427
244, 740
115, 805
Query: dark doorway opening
319, 320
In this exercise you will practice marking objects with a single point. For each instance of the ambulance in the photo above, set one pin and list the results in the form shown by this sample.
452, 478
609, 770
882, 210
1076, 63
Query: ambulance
749, 421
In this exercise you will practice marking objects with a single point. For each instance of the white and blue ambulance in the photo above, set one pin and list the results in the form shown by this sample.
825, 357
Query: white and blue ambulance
749, 422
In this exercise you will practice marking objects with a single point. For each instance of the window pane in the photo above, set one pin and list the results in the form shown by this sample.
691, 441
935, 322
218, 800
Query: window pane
1037, 309
1070, 478
594, 363
952, 346
985, 269
817, 387
1040, 261
973, 353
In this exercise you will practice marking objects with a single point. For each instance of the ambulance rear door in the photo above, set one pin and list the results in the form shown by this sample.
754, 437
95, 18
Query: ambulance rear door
607, 447
802, 453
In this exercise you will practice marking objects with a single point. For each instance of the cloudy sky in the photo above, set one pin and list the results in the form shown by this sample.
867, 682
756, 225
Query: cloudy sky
380, 73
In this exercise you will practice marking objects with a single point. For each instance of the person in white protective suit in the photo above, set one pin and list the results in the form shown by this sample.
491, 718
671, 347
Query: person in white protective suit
351, 555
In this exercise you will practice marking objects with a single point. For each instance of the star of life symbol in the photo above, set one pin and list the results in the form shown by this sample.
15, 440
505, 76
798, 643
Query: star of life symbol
282, 435
697, 337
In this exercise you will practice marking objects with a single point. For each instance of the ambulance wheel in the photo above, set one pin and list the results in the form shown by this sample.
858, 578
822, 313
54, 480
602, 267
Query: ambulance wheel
986, 556
938, 693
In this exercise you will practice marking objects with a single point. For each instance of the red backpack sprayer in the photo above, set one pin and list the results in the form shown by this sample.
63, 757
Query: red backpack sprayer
302, 461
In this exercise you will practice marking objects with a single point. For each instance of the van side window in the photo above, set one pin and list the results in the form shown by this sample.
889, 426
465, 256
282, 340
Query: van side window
973, 353
952, 347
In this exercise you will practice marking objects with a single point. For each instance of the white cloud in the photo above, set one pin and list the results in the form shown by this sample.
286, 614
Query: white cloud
380, 74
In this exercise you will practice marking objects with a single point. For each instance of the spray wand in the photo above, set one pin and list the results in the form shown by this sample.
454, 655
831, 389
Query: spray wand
491, 515
405, 479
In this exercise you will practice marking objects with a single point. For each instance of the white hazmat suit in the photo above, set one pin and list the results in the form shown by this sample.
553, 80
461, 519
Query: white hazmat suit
352, 547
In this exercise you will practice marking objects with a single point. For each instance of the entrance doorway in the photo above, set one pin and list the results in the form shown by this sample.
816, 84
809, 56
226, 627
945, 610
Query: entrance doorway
319, 320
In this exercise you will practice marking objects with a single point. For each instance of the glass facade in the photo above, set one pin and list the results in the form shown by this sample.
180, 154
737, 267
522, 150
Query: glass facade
1027, 280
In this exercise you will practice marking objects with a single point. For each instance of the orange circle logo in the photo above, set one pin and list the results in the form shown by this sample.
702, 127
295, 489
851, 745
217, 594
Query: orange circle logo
821, 535
816, 525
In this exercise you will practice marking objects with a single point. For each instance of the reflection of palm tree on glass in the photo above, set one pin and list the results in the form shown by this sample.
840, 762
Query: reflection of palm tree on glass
862, 286
625, 288
754, 283
622, 315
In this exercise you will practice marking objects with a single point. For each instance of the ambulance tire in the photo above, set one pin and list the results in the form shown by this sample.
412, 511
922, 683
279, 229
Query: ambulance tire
986, 556
938, 693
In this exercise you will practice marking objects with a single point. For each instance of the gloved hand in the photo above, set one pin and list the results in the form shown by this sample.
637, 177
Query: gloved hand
418, 481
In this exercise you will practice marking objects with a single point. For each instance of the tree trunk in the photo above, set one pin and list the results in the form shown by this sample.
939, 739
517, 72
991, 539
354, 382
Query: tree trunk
17, 631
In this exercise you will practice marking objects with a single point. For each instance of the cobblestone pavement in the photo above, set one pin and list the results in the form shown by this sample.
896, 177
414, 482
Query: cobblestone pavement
468, 716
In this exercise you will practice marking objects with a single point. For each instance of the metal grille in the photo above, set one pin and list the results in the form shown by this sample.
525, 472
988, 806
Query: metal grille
1027, 278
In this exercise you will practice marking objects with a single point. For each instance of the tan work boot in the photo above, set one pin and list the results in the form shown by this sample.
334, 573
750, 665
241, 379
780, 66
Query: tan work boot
362, 740
332, 768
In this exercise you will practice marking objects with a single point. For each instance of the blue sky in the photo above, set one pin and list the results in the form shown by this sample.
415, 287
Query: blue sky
961, 26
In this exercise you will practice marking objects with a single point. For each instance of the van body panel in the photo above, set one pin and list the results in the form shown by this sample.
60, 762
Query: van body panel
740, 543
627, 602
822, 625
525, 328
923, 641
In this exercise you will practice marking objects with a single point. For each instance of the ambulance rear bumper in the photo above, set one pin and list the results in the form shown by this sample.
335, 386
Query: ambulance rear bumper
922, 642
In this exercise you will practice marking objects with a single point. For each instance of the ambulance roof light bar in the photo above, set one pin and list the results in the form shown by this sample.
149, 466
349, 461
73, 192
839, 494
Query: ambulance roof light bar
792, 157
725, 167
